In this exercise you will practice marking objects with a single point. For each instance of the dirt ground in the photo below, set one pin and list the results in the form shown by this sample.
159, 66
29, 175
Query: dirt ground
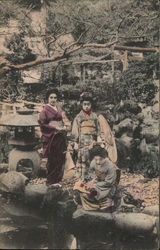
141, 188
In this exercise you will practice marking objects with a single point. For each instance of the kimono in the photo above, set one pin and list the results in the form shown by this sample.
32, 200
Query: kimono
54, 143
87, 129
104, 182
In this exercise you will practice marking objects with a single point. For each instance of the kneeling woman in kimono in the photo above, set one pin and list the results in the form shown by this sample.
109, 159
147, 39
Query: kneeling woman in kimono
53, 138
98, 194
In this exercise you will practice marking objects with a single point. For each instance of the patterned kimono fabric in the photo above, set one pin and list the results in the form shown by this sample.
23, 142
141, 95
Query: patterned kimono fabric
85, 130
54, 143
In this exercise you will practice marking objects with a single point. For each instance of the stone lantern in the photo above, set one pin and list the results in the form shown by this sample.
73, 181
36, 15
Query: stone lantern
23, 157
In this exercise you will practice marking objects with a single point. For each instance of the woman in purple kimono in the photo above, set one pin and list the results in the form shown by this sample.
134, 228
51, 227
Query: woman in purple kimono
53, 138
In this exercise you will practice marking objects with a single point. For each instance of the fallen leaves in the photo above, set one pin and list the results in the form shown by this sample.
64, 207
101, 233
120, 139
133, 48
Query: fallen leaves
135, 184
141, 188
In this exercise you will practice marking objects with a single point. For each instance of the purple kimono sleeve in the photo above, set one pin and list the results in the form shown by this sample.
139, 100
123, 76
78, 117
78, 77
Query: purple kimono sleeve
44, 123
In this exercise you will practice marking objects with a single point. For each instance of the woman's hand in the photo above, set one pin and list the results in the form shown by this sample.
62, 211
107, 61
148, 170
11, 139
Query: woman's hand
90, 185
61, 128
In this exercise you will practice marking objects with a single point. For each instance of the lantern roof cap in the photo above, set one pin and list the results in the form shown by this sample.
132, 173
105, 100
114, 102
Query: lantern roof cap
22, 118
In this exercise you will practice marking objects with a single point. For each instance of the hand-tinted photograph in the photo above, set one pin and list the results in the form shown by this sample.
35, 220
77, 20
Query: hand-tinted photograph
79, 124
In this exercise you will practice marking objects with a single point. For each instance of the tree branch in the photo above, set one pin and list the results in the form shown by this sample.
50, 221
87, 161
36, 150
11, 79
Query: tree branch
136, 49
6, 66
75, 43
54, 38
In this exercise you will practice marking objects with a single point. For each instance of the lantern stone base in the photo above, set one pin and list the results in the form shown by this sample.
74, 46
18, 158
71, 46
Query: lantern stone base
27, 162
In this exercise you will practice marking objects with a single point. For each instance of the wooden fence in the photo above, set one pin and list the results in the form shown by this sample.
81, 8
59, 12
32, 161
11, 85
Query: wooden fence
11, 108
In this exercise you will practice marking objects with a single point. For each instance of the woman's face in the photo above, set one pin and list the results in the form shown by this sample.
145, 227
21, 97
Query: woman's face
99, 160
52, 100
86, 106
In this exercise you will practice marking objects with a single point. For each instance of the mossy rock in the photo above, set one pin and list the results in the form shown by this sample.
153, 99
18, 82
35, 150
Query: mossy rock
13, 182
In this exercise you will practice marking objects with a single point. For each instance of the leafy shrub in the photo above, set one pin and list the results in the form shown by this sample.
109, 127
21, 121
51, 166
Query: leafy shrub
21, 53
136, 82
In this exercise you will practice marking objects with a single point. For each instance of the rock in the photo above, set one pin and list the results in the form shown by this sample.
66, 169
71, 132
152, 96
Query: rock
116, 129
155, 107
140, 117
143, 147
152, 210
151, 131
67, 208
3, 167
126, 140
122, 153
147, 112
20, 226
126, 123
13, 182
109, 106
21, 215
124, 126
128, 106
54, 195
119, 117
132, 107
157, 226
153, 147
5, 229
84, 221
82, 214
134, 223
34, 193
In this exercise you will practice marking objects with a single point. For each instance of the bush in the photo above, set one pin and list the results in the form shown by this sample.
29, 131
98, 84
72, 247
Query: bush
136, 82
21, 53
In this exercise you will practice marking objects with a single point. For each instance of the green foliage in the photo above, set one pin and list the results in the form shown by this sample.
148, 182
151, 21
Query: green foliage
21, 53
53, 24
101, 91
96, 19
4, 147
35, 4
136, 83
8, 10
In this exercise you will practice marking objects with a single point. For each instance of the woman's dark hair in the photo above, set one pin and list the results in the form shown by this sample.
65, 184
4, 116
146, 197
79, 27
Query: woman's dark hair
86, 96
52, 91
97, 150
